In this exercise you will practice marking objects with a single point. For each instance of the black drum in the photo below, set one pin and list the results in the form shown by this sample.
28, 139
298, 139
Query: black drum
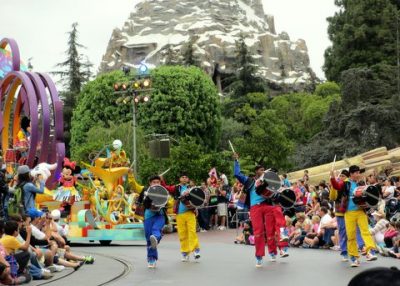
287, 198
272, 183
195, 198
158, 196
366, 196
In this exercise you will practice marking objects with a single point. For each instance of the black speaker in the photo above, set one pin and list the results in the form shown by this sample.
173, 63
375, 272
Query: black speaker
154, 148
164, 148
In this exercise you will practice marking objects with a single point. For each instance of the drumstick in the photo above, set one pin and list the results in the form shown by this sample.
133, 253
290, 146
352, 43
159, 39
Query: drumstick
162, 174
230, 144
333, 164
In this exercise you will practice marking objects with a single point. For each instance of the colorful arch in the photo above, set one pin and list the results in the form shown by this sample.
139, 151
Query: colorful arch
35, 96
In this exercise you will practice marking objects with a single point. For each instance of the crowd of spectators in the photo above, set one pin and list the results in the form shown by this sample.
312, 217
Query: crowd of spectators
33, 244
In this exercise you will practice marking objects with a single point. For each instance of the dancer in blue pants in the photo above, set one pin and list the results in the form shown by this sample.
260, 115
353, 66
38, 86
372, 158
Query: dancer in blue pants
154, 222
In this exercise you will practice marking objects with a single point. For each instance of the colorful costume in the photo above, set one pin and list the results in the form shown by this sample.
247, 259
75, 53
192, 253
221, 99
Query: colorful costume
338, 194
154, 221
265, 218
186, 222
355, 217
117, 157
67, 191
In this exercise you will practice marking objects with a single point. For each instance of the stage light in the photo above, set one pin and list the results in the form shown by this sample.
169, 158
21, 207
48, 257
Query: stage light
136, 85
146, 82
146, 99
124, 87
116, 86
137, 99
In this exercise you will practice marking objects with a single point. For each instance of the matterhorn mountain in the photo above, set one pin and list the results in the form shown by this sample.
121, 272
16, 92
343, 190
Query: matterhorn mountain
157, 27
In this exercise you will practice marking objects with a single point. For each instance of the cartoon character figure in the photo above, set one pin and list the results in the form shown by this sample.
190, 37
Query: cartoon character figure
67, 192
117, 157
43, 169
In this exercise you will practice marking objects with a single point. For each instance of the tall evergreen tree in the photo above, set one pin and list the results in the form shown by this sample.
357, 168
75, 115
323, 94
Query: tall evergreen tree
75, 71
189, 58
363, 33
243, 81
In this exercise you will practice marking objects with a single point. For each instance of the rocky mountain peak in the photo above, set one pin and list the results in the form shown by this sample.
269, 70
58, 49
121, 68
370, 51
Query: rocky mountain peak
214, 26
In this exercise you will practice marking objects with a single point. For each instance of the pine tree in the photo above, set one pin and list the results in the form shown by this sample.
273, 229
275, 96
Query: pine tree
189, 59
245, 79
171, 57
75, 72
363, 34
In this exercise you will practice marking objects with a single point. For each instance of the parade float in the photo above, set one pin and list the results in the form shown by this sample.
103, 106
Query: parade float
95, 203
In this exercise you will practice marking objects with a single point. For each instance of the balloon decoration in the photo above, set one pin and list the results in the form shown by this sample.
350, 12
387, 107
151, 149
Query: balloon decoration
34, 95
6, 65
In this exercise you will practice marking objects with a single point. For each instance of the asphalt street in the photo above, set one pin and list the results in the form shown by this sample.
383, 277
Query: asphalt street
222, 263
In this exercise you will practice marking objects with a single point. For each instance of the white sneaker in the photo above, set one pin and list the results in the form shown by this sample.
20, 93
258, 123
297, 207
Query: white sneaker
185, 257
203, 230
272, 257
222, 228
371, 257
153, 242
59, 268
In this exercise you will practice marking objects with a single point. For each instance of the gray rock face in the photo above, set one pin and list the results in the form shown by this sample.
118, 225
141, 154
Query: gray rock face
214, 26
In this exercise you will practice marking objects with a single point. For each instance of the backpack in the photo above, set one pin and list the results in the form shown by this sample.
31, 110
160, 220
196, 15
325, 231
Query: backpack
16, 201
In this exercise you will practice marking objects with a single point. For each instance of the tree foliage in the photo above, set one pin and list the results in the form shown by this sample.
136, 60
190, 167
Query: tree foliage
364, 119
188, 53
97, 105
302, 113
363, 34
266, 141
75, 72
184, 102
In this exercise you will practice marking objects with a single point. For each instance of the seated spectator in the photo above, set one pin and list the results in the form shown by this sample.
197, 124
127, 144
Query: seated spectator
5, 268
36, 254
12, 245
315, 206
247, 236
378, 231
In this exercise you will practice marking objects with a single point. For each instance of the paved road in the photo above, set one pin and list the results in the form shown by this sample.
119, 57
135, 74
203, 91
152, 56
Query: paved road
222, 263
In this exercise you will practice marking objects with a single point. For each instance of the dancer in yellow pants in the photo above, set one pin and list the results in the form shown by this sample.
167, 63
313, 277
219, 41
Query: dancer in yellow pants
353, 217
185, 219
186, 224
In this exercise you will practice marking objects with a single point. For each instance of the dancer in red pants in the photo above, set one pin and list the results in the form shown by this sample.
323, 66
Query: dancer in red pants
263, 215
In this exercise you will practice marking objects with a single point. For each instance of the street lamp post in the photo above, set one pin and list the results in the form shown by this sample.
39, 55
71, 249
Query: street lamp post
140, 84
134, 137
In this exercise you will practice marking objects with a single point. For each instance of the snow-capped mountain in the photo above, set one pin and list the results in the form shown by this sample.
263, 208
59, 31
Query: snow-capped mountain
214, 26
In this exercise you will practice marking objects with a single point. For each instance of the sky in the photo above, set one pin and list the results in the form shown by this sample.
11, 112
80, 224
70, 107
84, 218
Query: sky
40, 26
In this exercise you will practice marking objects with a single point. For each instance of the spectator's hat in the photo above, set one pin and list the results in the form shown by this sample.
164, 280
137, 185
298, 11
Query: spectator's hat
23, 169
55, 214
34, 213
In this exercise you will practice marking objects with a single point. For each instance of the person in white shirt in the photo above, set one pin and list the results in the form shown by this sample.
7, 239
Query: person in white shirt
388, 190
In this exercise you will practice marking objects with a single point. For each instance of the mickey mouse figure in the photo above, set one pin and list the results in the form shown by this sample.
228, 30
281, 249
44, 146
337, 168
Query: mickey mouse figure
67, 192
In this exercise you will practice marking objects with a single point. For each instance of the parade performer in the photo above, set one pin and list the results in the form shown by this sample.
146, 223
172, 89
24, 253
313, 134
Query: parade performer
354, 216
23, 139
67, 192
185, 219
154, 221
117, 157
262, 213
338, 195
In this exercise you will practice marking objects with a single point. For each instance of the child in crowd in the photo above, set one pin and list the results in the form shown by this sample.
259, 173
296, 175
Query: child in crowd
247, 236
